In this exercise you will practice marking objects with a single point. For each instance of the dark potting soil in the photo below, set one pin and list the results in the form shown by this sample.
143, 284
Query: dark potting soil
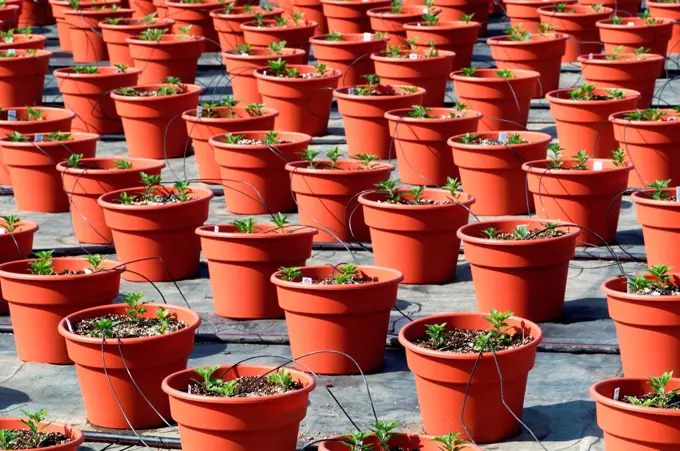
25, 439
531, 235
127, 327
259, 142
674, 403
355, 280
667, 290
153, 93
463, 341
493, 142
377, 91
159, 200
246, 387
420, 202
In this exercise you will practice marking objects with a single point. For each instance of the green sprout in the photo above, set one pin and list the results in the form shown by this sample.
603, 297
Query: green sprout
661, 398
136, 305
42, 265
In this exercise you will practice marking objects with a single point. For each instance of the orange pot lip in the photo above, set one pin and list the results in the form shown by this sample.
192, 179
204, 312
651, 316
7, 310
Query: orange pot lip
443, 25
252, 26
607, 289
204, 194
77, 437
191, 89
158, 23
463, 234
504, 41
105, 309
206, 3
400, 115
356, 39
365, 199
77, 137
397, 277
618, 120
81, 172
638, 198
598, 397
31, 227
532, 167
190, 116
27, 38
539, 2
263, 57
552, 97
6, 274
335, 74
95, 13
40, 54
167, 39
520, 75
639, 24
579, 11
540, 138
443, 54
302, 138
293, 167
310, 384
208, 231
61, 112
601, 59
460, 356
219, 15
352, 2
88, 4
384, 12
109, 72
341, 93
664, 5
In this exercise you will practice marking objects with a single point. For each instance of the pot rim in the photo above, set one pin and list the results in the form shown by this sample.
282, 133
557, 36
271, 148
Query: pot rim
30, 144
397, 277
551, 97
208, 231
67, 72
319, 40
119, 268
383, 12
504, 41
293, 168
463, 356
189, 116
532, 168
181, 5
394, 116
239, 56
443, 54
628, 122
637, 24
69, 114
542, 137
465, 447
523, 75
173, 392
340, 94
31, 37
463, 234
252, 26
609, 291
87, 4
32, 227
335, 75
191, 89
195, 38
545, 11
364, 200
39, 55
77, 437
638, 199
127, 27
222, 145
220, 15
540, 2
204, 195
664, 5
352, 2
96, 12
444, 25
599, 398
82, 172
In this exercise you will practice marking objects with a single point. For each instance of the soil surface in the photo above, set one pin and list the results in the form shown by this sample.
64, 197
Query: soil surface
674, 404
463, 341
533, 234
127, 327
247, 387
25, 439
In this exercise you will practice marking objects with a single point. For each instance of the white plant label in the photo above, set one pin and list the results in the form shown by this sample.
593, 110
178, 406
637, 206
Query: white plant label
350, 91
677, 193
306, 281
425, 10
12, 115
502, 136
413, 56
590, 56
199, 111
631, 24
38, 138
597, 165
367, 37
617, 392
2, 231
216, 229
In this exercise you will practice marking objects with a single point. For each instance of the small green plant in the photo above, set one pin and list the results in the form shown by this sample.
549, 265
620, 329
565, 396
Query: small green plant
215, 385
545, 28
11, 223
430, 18
389, 189
184, 31
451, 442
113, 20
469, 71
57, 136
255, 109
333, 155
659, 187
367, 160
648, 114
616, 20
244, 225
454, 187
468, 138
436, 333
467, 18
517, 34
276, 47
497, 335
95, 260
73, 161
583, 92
279, 67
128, 92
296, 17
42, 265
354, 441
32, 422
152, 34
181, 190
641, 51
309, 155
581, 160
619, 157
346, 274
35, 114
555, 155
417, 193
104, 328
163, 317
150, 183
491, 233
127, 199
243, 49
397, 7
122, 164
383, 432
596, 6
280, 220
459, 106
74, 4
560, 7
618, 51
616, 93
283, 378
280, 21
271, 138
393, 51
15, 136
85, 69
6, 437
420, 112
661, 398
135, 304
290, 274
515, 138
334, 36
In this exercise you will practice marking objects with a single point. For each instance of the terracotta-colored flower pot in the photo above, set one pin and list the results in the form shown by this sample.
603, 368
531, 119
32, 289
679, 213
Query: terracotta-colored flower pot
660, 228
383, 20
9, 15
589, 198
454, 36
493, 174
51, 120
651, 146
304, 104
327, 197
254, 176
524, 13
654, 37
37, 303
366, 129
296, 37
624, 8
151, 124
635, 428
22, 78
196, 15
584, 124
627, 71
161, 8
228, 25
313, 11
236, 424
417, 240
349, 318
456, 9
350, 16
578, 22
172, 56
527, 277
241, 68
115, 36
201, 129
153, 232
76, 436
94, 177
59, 7
87, 43
35, 14
398, 440
32, 168
542, 53
503, 102
111, 374
89, 96
443, 379
668, 11
23, 41
420, 145
142, 8
240, 265
16, 245
350, 55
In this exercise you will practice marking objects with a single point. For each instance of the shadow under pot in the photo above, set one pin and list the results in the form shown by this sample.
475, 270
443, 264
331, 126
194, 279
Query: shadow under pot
16, 243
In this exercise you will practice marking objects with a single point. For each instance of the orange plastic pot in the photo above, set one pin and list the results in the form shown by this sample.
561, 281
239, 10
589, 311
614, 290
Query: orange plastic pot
453, 36
383, 20
422, 152
87, 43
304, 104
151, 125
200, 129
524, 13
236, 424
76, 436
624, 8
351, 319
197, 16
578, 22
417, 240
443, 379
635, 428
172, 56
588, 198
22, 78
366, 129
16, 245
32, 168
326, 198
584, 124
112, 373
63, 28
37, 303
526, 277
115, 36
21, 41
94, 177
456, 9
240, 265
398, 440
35, 14
493, 174
228, 25
142, 8
668, 11
651, 146
350, 16
654, 37
296, 37
52, 120
153, 232
350, 55
429, 73
627, 71
9, 15
542, 54
241, 68
89, 97
161, 9
254, 177
503, 102
660, 228
313, 11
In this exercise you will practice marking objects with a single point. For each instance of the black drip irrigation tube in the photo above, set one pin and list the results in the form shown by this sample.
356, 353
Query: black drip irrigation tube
114, 438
